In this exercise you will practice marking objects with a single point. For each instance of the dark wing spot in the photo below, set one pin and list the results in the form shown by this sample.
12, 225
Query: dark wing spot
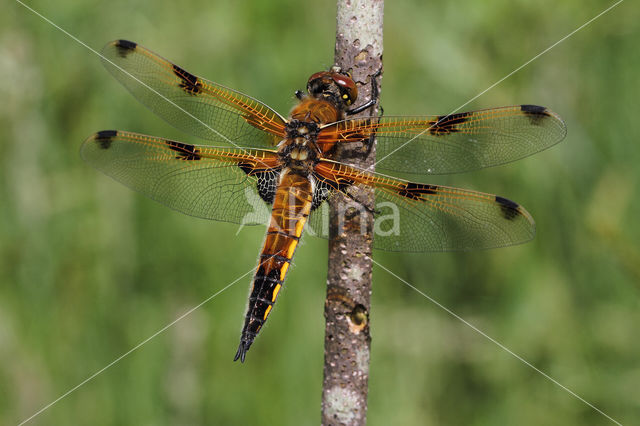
321, 192
189, 83
104, 138
509, 208
248, 168
325, 187
415, 190
533, 109
446, 124
185, 151
535, 113
267, 180
125, 47
341, 184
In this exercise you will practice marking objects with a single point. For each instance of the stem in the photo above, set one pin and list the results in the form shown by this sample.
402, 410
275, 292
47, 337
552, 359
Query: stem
347, 339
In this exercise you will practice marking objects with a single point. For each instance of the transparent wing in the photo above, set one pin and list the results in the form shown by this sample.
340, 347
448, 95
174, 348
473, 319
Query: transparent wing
454, 143
192, 104
417, 217
213, 183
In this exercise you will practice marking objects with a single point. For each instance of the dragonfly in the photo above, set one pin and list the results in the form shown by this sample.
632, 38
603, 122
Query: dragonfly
260, 167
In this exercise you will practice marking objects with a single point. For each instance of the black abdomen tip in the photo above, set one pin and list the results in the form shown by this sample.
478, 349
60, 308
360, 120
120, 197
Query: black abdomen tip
242, 351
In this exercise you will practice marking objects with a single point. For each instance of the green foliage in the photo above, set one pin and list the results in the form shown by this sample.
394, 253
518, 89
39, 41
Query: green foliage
89, 269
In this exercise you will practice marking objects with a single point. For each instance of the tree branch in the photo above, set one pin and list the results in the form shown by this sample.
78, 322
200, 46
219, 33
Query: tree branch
347, 306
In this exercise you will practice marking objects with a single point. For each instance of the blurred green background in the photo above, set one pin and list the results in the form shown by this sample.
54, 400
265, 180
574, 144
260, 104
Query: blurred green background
88, 269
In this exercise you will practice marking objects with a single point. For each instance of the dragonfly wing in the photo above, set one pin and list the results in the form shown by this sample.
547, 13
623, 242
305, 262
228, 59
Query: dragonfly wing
223, 184
454, 143
190, 103
417, 217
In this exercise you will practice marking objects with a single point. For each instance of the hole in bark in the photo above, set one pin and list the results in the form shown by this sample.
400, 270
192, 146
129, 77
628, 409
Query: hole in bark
358, 318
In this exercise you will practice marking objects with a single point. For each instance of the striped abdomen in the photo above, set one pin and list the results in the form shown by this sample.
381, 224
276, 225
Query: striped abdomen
291, 207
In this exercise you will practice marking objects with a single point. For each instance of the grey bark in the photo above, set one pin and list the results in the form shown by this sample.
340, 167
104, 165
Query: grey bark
347, 338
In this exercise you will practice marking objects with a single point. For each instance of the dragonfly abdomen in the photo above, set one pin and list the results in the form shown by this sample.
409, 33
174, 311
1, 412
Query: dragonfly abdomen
291, 207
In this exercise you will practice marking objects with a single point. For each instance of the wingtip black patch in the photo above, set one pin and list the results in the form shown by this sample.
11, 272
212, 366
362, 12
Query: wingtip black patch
533, 109
535, 113
189, 82
125, 47
416, 190
104, 138
185, 151
510, 209
446, 124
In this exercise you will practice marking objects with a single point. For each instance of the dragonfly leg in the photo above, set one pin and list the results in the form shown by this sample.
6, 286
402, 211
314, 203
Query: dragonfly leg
375, 93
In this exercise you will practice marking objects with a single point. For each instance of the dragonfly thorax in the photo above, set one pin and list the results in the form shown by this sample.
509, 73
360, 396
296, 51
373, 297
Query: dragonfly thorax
299, 150
296, 129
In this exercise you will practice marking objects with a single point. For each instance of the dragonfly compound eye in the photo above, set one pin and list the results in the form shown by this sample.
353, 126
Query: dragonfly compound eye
348, 89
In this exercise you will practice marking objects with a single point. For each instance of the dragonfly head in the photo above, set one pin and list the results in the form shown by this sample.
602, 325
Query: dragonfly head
335, 86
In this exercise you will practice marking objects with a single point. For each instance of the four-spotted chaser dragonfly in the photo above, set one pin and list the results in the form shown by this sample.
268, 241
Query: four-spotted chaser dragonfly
289, 164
